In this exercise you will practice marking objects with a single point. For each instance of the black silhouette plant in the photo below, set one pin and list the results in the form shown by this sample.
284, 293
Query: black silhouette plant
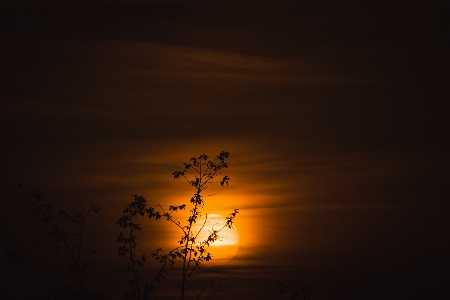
304, 292
68, 246
190, 251
137, 207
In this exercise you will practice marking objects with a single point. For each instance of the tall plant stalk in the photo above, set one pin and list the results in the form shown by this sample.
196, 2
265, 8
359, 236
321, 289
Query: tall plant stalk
190, 250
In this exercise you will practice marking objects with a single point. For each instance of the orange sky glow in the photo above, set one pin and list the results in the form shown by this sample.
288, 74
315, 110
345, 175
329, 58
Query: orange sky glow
335, 116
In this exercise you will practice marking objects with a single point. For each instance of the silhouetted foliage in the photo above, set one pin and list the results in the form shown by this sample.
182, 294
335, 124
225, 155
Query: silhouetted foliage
68, 246
191, 252
137, 207
304, 292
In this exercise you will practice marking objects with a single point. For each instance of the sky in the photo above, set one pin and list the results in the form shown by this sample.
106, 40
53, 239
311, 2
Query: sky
335, 114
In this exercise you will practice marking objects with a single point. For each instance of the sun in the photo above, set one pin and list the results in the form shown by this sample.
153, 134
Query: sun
223, 249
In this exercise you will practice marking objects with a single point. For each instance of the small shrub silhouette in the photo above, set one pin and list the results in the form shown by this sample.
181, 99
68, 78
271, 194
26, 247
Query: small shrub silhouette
304, 292
190, 251
68, 246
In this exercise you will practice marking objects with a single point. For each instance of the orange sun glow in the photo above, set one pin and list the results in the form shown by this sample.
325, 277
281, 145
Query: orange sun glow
223, 249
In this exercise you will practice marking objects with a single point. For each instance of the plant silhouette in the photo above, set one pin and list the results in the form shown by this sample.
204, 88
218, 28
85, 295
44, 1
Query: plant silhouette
190, 251
304, 292
188, 256
68, 246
